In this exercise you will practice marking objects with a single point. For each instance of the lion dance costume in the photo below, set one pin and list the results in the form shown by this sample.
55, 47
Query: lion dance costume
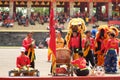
100, 44
75, 25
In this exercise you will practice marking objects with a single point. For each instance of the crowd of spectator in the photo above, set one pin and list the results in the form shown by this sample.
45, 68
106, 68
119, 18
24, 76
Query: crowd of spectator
6, 20
60, 18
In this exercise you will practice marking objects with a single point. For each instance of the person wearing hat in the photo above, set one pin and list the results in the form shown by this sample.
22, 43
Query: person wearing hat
22, 60
29, 44
111, 56
80, 67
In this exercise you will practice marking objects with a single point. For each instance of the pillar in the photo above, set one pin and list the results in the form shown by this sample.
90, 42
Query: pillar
90, 9
11, 4
82, 7
106, 9
109, 9
29, 2
67, 8
14, 8
71, 7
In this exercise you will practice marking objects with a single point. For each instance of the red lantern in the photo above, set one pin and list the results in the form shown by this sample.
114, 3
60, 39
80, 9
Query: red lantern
71, 0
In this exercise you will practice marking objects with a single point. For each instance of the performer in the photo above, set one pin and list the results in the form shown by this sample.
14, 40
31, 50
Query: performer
76, 26
111, 56
74, 44
22, 60
88, 45
29, 44
59, 40
100, 44
80, 65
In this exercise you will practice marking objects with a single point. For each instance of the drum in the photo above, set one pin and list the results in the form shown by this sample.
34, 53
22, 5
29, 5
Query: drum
63, 55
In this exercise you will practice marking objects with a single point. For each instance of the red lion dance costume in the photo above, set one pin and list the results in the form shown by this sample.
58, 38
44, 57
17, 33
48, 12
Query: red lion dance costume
75, 25
100, 44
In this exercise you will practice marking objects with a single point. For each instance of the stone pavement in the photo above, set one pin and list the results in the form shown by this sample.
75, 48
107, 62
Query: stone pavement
8, 61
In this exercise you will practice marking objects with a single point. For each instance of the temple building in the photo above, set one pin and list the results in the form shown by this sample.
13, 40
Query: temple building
86, 6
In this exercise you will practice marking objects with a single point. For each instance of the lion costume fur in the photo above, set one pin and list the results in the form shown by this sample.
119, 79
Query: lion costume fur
78, 25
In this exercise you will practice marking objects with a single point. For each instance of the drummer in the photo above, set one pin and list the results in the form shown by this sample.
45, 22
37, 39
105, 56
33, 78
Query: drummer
22, 62
80, 67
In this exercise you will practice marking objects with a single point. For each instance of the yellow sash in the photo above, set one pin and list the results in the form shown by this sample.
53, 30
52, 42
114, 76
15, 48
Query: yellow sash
86, 51
33, 53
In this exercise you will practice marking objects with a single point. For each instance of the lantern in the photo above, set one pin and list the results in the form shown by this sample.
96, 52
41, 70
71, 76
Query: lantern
48, 3
42, 3
58, 3
22, 3
16, 3
37, 3
63, 3
6, 3
1, 3
78, 3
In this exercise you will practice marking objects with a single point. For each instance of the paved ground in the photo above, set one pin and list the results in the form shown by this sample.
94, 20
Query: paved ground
8, 61
8, 58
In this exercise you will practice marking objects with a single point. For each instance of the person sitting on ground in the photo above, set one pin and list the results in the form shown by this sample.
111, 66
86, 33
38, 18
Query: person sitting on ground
22, 60
80, 67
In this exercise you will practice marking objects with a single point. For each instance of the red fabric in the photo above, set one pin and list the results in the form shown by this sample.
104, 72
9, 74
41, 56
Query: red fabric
75, 42
26, 43
113, 43
92, 42
114, 22
113, 77
52, 44
22, 61
61, 70
81, 63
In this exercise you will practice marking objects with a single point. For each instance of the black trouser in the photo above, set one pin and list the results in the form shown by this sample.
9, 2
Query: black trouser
90, 57
32, 64
79, 72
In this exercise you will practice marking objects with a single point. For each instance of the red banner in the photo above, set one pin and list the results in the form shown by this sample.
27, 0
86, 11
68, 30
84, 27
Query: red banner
52, 45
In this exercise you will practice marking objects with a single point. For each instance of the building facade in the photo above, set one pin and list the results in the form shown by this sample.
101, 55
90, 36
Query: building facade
68, 5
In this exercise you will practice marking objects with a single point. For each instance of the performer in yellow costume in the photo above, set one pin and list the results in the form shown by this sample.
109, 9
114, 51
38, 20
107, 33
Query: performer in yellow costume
59, 40
100, 44
59, 43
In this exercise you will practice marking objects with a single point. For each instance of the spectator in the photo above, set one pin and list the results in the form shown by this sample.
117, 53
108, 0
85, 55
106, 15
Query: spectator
94, 31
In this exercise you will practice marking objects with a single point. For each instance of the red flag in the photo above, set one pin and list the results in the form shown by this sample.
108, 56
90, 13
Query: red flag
52, 45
